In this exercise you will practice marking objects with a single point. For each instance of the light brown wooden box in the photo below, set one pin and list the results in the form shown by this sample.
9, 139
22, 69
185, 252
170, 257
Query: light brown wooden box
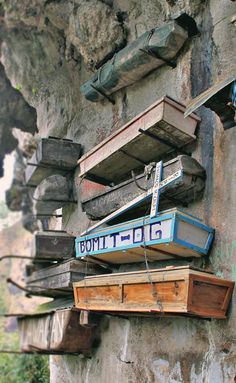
159, 129
170, 291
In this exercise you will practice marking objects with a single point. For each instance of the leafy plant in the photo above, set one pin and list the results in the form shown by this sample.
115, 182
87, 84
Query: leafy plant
19, 87
24, 368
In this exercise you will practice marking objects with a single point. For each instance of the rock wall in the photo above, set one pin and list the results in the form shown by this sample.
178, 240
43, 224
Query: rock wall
49, 48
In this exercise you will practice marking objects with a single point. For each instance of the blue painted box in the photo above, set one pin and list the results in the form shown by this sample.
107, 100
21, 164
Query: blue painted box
171, 234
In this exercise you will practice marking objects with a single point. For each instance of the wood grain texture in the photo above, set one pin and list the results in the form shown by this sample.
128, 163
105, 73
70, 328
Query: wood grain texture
53, 245
52, 156
55, 332
182, 290
184, 190
57, 279
128, 149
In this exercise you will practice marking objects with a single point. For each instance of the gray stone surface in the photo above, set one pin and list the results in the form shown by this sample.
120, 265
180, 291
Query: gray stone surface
14, 113
95, 31
38, 54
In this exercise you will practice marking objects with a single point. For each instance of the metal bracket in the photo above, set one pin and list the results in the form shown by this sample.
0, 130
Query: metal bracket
163, 141
133, 157
61, 168
54, 200
103, 94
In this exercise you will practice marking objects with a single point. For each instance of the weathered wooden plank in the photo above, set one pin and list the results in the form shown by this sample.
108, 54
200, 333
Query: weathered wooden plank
220, 99
188, 188
171, 234
182, 290
59, 277
52, 156
53, 245
159, 129
56, 332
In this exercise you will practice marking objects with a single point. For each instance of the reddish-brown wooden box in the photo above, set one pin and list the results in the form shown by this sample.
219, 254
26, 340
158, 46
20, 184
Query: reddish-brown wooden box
170, 291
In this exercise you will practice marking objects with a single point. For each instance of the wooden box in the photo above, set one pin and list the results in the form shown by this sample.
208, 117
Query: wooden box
188, 188
172, 234
178, 290
57, 280
53, 245
151, 50
52, 156
55, 332
219, 98
158, 130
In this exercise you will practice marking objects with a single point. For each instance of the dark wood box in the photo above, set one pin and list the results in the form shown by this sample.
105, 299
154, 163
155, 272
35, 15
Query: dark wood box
56, 332
182, 191
53, 245
52, 156
57, 280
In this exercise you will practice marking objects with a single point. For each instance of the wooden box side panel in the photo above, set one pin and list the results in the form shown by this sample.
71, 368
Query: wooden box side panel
56, 332
47, 247
59, 153
191, 233
68, 335
208, 296
34, 333
168, 296
174, 116
60, 281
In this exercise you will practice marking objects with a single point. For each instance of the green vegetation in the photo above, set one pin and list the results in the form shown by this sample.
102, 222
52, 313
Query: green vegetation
19, 87
23, 369
16, 368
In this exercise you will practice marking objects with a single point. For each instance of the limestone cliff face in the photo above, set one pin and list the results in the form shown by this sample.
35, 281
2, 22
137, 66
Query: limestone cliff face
14, 113
48, 49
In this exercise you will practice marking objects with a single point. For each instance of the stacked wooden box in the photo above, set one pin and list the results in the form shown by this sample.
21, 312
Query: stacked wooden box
55, 327
125, 234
